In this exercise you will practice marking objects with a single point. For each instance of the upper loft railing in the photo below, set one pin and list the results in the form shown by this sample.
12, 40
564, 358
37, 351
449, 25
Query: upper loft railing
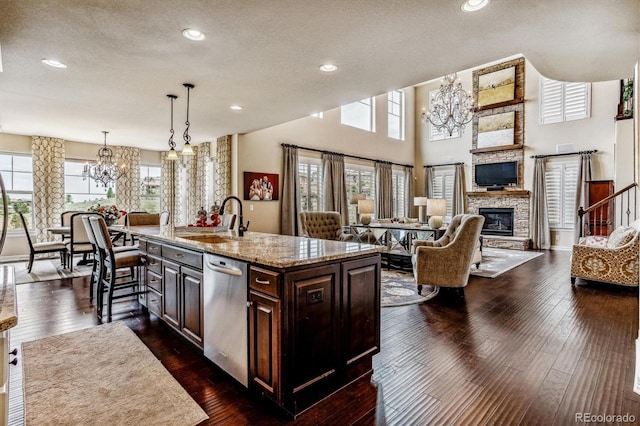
619, 208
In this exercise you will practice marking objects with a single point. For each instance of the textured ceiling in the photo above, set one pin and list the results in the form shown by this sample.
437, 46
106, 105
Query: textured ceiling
124, 56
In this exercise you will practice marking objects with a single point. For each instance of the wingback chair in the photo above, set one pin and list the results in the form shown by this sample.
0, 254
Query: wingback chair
323, 225
446, 262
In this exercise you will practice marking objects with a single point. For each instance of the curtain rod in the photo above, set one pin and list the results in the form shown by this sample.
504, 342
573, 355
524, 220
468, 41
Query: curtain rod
345, 155
428, 166
565, 153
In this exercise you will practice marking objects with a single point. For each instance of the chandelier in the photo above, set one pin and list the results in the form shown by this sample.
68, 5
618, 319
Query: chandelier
451, 108
104, 170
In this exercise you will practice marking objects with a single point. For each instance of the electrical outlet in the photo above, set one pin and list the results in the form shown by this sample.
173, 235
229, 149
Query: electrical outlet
250, 207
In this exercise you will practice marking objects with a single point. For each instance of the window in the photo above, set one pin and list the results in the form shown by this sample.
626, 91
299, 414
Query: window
395, 114
17, 174
79, 192
359, 114
443, 186
399, 195
360, 180
438, 135
563, 101
310, 184
561, 179
150, 180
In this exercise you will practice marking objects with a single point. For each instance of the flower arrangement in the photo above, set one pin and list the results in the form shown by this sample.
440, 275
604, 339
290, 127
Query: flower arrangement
111, 213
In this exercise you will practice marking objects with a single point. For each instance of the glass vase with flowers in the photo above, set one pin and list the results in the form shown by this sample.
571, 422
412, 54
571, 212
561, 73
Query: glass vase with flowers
110, 213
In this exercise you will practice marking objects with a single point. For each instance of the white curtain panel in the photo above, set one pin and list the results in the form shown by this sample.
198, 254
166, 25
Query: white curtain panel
128, 188
223, 168
48, 183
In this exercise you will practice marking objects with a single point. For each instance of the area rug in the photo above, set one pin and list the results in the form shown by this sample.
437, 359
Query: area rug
399, 288
47, 270
498, 261
102, 375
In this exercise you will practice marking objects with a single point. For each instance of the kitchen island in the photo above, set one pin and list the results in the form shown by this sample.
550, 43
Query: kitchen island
312, 309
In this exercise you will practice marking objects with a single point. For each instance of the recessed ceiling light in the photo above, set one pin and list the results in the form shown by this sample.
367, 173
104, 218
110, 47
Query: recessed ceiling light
53, 64
236, 107
191, 34
328, 68
474, 5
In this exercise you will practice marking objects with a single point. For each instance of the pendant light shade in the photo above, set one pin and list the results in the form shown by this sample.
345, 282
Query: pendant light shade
186, 149
172, 154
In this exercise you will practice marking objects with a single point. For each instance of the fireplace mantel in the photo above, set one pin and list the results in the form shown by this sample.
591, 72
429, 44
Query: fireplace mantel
515, 193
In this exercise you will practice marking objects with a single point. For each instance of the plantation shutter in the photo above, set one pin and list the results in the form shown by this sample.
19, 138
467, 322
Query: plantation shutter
563, 101
550, 101
576, 101
443, 187
561, 179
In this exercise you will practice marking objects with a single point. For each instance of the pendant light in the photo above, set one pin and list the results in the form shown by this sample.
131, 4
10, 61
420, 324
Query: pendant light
172, 154
186, 149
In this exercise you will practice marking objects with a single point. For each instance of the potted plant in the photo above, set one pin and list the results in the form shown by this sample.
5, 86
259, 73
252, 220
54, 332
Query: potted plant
627, 98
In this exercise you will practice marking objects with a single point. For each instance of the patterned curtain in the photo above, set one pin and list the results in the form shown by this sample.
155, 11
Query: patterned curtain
335, 185
128, 188
584, 175
408, 189
223, 168
170, 199
200, 184
48, 183
540, 233
289, 204
428, 182
384, 190
459, 203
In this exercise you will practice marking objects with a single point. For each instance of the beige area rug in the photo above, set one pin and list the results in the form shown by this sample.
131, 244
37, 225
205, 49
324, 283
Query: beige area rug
399, 289
102, 375
498, 261
47, 270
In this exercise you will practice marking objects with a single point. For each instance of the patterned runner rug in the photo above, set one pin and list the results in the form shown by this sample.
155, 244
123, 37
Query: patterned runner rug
47, 270
102, 375
498, 261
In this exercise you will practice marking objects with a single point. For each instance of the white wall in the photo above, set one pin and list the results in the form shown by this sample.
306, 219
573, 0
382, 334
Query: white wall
260, 151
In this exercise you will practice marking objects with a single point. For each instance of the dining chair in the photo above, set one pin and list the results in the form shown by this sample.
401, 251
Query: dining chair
78, 240
43, 247
164, 218
65, 220
111, 262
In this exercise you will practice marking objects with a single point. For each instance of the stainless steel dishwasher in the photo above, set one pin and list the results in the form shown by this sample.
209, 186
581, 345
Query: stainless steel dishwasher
225, 315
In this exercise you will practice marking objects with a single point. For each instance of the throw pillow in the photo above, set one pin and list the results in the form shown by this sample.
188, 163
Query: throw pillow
594, 241
621, 236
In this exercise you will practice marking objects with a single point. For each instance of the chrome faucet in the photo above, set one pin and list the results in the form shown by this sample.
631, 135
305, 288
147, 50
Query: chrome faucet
241, 227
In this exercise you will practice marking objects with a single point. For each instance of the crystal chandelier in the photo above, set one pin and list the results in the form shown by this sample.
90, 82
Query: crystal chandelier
104, 170
451, 108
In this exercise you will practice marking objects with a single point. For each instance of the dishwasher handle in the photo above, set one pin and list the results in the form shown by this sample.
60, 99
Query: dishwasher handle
228, 270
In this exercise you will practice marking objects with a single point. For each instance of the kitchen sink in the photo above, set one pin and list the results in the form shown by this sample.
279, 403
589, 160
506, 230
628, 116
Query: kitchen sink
210, 239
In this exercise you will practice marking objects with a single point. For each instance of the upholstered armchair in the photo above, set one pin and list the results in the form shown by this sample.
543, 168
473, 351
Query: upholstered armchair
323, 225
447, 261
612, 259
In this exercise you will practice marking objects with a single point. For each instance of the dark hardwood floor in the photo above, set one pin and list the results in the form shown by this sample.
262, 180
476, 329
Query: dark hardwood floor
523, 348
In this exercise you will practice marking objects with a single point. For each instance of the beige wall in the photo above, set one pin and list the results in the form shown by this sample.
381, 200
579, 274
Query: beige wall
260, 151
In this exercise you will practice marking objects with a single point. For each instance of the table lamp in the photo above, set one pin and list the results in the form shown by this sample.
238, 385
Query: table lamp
365, 208
354, 200
420, 202
436, 208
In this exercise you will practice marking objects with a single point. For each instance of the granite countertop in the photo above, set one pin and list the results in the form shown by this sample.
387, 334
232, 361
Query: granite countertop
280, 251
8, 307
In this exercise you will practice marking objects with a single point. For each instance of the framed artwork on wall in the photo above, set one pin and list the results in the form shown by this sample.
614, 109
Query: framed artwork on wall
496, 87
496, 129
259, 186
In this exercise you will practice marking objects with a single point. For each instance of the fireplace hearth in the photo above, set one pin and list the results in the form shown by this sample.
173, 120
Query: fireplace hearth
497, 221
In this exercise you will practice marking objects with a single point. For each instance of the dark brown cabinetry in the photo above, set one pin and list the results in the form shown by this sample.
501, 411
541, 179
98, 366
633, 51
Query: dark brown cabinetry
312, 330
600, 220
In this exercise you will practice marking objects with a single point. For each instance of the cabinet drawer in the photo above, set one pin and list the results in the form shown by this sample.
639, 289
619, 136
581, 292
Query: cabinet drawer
154, 248
154, 264
184, 256
142, 245
154, 303
265, 281
154, 281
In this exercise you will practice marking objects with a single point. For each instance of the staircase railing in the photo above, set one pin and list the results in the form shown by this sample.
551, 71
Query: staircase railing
619, 208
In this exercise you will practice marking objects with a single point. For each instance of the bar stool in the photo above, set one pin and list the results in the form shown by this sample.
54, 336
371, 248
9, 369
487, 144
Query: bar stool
111, 262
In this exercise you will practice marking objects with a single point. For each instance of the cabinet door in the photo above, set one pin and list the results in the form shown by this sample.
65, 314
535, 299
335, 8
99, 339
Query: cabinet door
171, 293
191, 296
312, 326
264, 344
360, 309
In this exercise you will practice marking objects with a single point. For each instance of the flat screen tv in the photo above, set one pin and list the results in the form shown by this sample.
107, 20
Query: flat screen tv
497, 174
